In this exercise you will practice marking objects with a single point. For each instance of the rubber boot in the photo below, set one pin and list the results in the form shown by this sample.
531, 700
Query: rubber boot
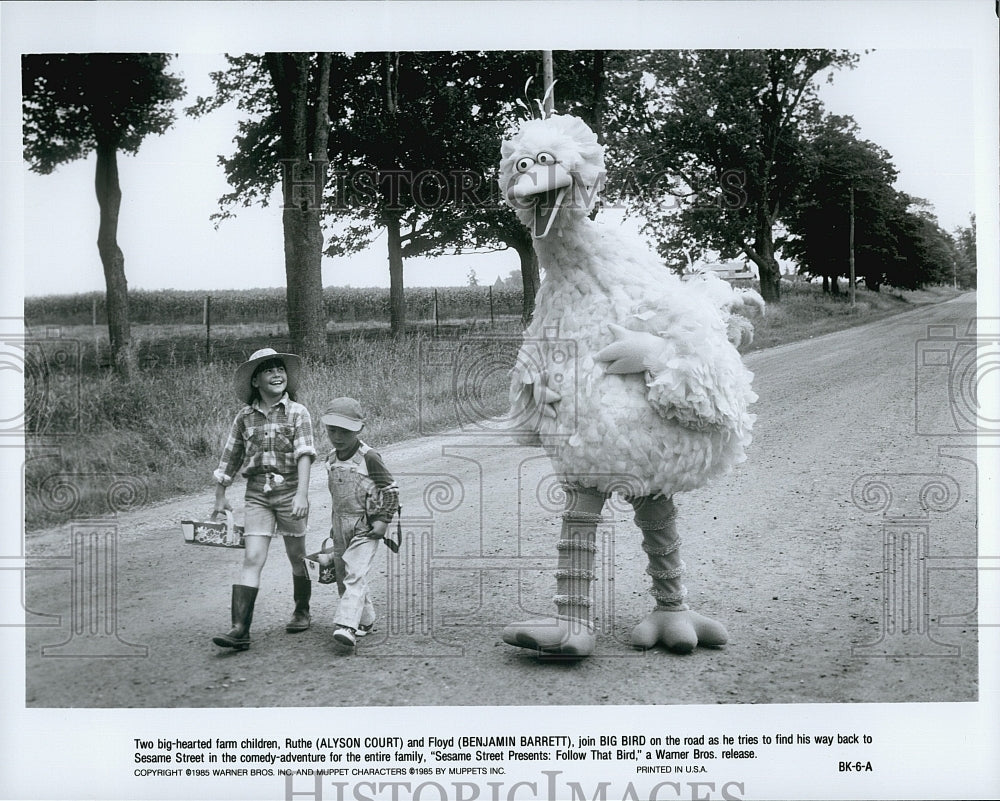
302, 592
672, 623
244, 598
571, 633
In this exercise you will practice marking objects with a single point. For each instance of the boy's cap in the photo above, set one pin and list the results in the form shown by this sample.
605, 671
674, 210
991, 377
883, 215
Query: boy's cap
344, 413
293, 366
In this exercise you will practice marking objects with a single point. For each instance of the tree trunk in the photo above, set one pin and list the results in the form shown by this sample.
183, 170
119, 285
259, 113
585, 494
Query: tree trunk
303, 178
598, 84
397, 303
770, 282
530, 280
304, 283
762, 254
109, 199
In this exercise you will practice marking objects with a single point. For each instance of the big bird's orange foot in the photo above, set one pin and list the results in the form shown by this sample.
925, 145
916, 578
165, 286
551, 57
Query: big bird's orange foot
555, 636
679, 631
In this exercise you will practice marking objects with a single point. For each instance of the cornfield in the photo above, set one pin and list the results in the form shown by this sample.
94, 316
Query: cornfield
232, 306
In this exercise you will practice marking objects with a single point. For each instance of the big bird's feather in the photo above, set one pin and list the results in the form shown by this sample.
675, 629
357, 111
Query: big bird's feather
677, 424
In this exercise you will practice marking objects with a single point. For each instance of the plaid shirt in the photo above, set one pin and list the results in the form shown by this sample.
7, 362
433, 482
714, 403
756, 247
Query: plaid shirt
267, 443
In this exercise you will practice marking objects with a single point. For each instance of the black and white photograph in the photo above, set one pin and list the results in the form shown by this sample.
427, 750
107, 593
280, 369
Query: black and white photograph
500, 400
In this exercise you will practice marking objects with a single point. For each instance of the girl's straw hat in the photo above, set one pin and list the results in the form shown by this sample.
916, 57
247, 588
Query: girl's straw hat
293, 367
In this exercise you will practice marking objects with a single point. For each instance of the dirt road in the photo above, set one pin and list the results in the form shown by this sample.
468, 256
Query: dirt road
812, 553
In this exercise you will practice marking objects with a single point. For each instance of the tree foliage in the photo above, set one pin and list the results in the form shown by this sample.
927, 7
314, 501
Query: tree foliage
281, 142
925, 253
254, 169
726, 153
965, 254
413, 142
843, 176
714, 142
106, 103
414, 146
75, 102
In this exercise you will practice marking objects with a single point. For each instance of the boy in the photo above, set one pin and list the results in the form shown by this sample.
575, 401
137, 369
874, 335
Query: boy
272, 437
364, 498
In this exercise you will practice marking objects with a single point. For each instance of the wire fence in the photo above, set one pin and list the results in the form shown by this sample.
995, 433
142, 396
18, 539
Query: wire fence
342, 305
178, 328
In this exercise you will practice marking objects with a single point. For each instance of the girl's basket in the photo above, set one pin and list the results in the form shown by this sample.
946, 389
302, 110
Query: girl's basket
213, 532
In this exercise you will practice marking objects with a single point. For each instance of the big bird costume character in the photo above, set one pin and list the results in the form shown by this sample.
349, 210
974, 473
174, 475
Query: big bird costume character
652, 400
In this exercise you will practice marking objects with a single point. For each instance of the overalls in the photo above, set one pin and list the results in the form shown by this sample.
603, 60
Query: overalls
353, 494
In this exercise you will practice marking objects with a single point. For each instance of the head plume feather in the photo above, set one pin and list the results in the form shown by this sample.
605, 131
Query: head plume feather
529, 105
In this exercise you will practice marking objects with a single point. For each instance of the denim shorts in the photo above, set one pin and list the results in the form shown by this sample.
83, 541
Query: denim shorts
270, 513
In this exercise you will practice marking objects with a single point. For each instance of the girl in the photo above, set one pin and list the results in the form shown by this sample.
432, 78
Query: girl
272, 438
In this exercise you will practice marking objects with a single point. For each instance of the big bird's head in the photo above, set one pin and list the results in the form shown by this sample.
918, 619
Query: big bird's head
549, 168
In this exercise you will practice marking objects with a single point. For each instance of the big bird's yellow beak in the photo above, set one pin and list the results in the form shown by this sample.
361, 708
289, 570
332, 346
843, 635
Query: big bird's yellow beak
545, 187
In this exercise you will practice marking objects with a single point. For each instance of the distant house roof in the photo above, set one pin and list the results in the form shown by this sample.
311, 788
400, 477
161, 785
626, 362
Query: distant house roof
727, 270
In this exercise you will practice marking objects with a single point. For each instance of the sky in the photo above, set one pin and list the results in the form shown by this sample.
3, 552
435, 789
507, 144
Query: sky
916, 102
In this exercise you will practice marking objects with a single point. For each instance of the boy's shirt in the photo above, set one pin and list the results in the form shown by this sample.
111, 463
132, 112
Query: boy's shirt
388, 494
267, 443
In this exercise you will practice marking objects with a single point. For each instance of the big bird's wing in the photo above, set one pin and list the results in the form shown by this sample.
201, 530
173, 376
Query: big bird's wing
531, 397
685, 342
732, 302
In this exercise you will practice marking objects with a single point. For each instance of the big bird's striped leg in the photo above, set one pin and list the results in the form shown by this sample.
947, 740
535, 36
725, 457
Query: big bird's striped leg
571, 632
672, 623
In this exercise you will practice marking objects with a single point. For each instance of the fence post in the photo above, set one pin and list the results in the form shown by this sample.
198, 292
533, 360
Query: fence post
436, 320
208, 328
491, 306
97, 335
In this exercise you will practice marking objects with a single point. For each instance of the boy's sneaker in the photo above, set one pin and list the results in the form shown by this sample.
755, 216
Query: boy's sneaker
344, 635
363, 630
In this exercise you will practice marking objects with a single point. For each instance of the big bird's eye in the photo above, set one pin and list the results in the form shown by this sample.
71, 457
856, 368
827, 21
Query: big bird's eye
524, 164
545, 159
